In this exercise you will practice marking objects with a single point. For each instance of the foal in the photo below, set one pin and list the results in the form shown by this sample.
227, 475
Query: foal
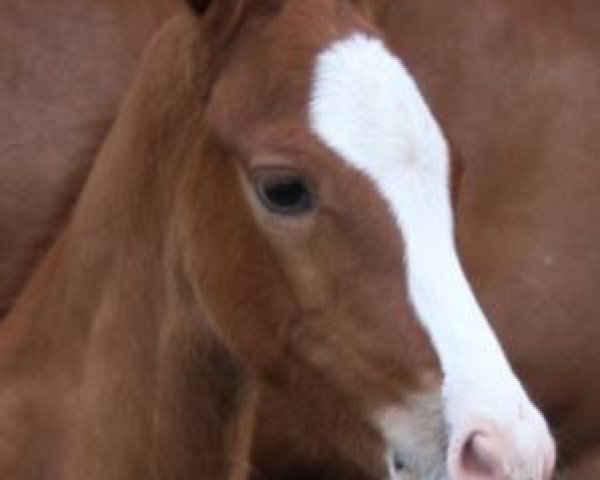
271, 207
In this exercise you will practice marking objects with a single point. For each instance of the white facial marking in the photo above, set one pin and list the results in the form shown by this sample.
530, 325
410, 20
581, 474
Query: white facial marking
366, 108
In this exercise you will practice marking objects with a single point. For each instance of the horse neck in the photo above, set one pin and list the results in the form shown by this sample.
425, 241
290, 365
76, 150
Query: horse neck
107, 348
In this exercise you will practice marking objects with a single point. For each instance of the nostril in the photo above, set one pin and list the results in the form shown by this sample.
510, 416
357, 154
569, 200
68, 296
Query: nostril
398, 463
481, 458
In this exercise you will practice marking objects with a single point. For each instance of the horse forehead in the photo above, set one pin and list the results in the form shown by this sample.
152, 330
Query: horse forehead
365, 106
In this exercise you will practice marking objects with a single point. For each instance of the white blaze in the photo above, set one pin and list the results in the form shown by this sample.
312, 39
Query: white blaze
366, 108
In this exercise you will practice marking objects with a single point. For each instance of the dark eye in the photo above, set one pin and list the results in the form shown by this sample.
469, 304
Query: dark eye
284, 191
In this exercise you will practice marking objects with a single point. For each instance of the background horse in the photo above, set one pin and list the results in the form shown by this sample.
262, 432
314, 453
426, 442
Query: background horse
59, 102
461, 27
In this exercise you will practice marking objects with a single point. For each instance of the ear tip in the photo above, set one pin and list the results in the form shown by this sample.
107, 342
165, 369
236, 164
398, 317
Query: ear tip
199, 6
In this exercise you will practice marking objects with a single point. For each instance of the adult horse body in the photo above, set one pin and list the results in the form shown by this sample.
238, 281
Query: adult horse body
518, 94
58, 104
148, 273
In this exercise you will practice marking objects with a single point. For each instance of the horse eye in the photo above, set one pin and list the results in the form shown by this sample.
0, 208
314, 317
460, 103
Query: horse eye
284, 191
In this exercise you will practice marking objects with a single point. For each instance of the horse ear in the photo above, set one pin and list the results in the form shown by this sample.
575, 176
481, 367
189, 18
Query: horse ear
225, 8
220, 17
199, 6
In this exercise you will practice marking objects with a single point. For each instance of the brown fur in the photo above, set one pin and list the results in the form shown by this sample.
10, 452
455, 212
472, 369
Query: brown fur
515, 87
516, 92
59, 98
138, 347
503, 64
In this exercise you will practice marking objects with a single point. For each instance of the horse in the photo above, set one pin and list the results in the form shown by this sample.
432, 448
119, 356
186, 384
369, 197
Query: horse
59, 106
472, 453
578, 423
515, 87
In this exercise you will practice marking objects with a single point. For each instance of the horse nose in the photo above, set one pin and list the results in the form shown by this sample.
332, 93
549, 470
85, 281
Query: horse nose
481, 457
549, 462
485, 456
